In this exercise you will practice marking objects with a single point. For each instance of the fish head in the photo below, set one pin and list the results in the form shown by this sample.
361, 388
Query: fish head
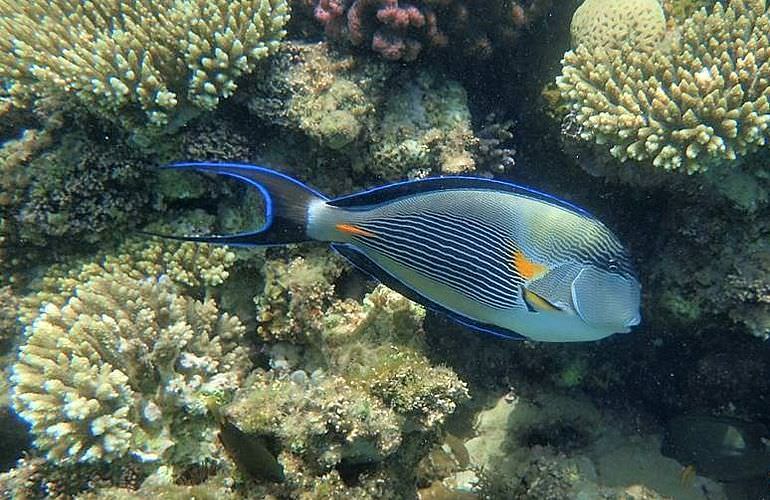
598, 298
606, 298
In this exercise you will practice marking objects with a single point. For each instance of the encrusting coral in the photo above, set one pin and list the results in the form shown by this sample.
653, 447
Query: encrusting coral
348, 384
696, 102
125, 59
388, 126
425, 125
126, 368
330, 97
323, 419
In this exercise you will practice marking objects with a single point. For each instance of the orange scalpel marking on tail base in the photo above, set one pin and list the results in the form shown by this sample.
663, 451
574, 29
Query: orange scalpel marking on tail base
527, 268
351, 229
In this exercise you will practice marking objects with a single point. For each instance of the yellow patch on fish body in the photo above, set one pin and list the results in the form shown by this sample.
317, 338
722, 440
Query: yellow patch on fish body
527, 268
351, 229
538, 303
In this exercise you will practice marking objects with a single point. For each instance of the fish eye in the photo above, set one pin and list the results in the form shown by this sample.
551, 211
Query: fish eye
612, 265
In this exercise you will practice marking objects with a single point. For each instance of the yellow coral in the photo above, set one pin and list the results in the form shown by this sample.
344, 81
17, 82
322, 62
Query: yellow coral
601, 24
111, 54
699, 102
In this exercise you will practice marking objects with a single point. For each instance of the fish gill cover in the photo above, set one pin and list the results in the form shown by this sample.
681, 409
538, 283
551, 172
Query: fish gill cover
130, 362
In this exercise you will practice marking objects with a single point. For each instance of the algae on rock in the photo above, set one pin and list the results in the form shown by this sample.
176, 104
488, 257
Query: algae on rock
348, 383
389, 125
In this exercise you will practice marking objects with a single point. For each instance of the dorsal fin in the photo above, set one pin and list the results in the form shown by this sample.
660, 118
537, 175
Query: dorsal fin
390, 192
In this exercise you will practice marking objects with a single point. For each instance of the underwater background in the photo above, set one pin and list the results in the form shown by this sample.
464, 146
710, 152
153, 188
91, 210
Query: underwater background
138, 367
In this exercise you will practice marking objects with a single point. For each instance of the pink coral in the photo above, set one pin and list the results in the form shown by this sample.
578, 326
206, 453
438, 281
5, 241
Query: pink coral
330, 13
397, 31
401, 30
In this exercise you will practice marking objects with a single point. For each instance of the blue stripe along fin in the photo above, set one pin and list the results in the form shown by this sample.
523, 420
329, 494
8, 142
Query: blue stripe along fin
365, 264
389, 192
286, 203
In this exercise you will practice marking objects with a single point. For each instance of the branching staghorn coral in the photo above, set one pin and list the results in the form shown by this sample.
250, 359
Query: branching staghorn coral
127, 367
194, 269
699, 101
145, 56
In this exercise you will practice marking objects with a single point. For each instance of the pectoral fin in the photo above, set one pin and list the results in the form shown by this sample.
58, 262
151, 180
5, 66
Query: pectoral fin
536, 303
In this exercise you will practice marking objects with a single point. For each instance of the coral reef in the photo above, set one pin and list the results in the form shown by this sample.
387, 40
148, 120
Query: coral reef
682, 9
322, 419
389, 126
82, 189
348, 385
36, 479
126, 367
195, 269
402, 31
605, 24
331, 98
14, 180
494, 151
295, 295
9, 321
136, 63
715, 265
693, 104
152, 368
425, 125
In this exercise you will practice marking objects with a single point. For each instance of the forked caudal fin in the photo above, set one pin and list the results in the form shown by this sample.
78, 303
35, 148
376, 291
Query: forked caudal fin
286, 205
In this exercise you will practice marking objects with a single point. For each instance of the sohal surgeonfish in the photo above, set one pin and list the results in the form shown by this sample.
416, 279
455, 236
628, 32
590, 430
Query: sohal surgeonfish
491, 255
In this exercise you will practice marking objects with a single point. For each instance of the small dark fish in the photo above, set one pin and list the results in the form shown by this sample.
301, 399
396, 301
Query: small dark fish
250, 454
722, 448
491, 255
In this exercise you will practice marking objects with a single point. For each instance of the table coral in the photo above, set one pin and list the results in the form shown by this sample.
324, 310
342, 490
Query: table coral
123, 60
696, 103
126, 367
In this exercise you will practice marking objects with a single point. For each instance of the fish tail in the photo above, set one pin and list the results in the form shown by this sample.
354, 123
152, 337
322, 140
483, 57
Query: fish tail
287, 205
